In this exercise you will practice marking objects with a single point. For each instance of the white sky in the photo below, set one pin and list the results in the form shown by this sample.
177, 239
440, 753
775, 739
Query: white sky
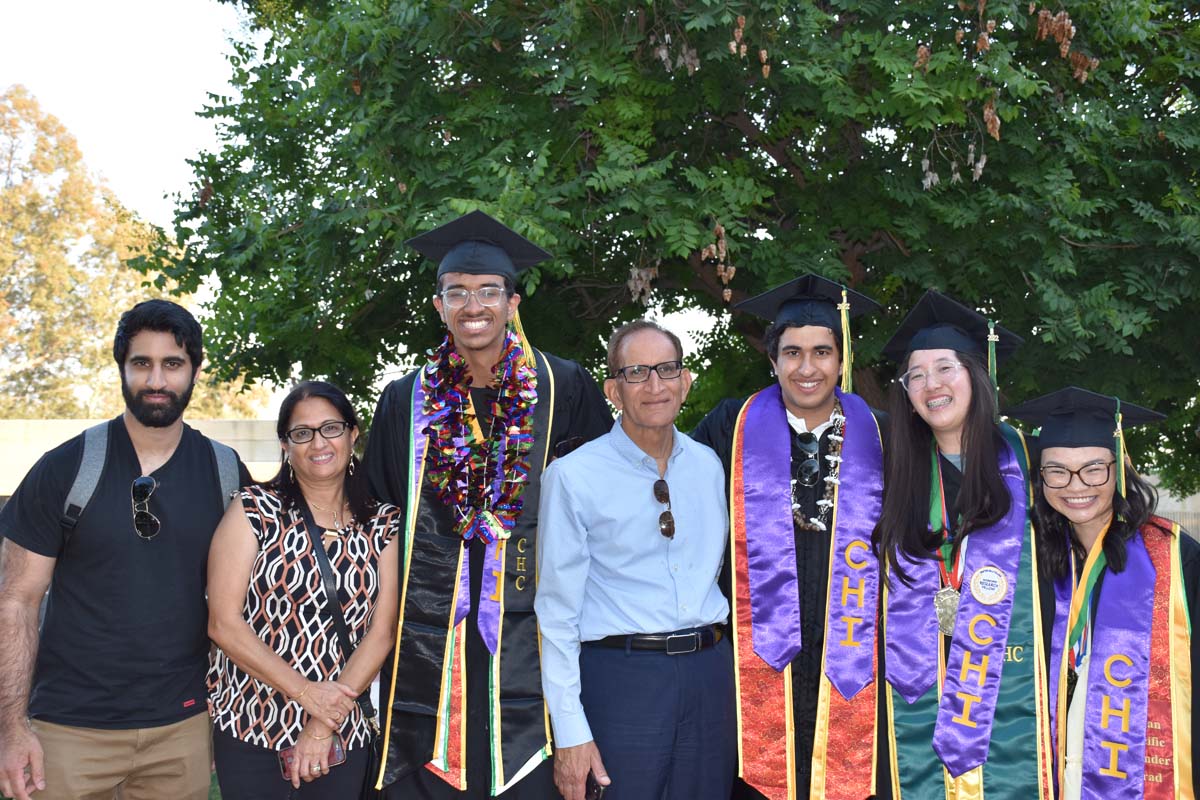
126, 77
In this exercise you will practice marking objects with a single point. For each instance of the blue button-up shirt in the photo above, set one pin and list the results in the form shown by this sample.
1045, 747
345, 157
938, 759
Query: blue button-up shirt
603, 566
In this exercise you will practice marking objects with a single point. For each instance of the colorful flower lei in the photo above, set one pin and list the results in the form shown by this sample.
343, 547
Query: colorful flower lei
502, 463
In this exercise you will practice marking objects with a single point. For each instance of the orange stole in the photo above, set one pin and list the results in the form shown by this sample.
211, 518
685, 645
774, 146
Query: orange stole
451, 717
1168, 769
766, 728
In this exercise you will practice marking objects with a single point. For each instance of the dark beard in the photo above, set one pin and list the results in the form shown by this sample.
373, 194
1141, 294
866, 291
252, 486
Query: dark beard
156, 416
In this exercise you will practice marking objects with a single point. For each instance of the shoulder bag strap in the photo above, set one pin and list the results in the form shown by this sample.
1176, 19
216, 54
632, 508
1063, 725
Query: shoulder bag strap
334, 606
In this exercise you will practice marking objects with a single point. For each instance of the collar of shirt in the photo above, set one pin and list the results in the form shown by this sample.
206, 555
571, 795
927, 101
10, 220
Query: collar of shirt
800, 426
636, 455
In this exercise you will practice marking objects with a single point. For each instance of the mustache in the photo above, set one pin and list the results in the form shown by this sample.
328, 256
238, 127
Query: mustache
144, 393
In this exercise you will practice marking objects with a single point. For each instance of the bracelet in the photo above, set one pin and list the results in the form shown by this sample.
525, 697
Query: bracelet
320, 738
302, 691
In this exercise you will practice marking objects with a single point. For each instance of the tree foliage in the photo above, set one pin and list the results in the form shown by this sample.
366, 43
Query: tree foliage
1037, 162
63, 238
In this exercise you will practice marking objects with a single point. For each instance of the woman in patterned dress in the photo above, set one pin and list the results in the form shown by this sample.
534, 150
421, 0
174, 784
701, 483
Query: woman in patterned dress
279, 678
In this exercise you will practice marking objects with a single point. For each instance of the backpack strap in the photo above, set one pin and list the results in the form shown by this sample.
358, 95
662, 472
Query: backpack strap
227, 470
87, 477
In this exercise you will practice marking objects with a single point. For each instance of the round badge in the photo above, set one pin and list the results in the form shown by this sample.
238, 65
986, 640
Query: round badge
989, 585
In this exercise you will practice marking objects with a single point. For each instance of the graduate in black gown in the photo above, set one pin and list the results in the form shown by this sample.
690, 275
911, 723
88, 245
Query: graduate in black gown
804, 463
1126, 583
461, 444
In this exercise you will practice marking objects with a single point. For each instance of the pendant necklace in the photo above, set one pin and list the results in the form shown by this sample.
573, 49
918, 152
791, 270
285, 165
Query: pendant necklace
945, 599
335, 513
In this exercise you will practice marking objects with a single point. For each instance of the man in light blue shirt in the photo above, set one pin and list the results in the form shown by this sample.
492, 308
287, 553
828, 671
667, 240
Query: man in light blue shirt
637, 679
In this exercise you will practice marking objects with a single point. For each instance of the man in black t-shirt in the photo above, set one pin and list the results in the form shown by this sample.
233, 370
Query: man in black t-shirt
111, 691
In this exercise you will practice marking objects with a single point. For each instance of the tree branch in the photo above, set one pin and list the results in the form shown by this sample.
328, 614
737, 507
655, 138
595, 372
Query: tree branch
776, 150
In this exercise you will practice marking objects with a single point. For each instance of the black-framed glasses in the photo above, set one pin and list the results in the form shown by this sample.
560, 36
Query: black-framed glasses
809, 471
145, 524
916, 378
302, 434
487, 296
666, 520
1095, 474
640, 373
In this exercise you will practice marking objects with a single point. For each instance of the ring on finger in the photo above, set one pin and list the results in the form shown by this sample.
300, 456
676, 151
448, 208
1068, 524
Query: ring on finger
315, 769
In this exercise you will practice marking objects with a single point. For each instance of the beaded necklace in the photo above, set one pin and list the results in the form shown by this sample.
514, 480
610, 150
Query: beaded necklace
834, 457
500, 463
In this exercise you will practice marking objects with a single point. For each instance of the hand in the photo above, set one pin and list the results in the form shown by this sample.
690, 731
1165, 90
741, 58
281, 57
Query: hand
22, 769
312, 753
327, 702
571, 767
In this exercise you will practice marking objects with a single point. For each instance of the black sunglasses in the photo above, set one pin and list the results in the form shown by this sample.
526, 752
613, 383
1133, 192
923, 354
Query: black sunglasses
145, 523
666, 520
809, 470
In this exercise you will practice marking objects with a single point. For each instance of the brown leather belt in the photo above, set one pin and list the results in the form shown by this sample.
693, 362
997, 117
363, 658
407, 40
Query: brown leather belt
673, 644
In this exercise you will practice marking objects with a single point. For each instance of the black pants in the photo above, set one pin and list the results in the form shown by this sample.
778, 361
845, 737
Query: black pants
249, 772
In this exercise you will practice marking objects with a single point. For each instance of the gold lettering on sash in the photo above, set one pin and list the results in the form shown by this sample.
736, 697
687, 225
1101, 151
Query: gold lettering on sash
965, 717
855, 545
1107, 711
857, 593
849, 641
495, 598
967, 668
976, 638
1108, 673
520, 583
1014, 652
500, 551
521, 563
1114, 751
521, 543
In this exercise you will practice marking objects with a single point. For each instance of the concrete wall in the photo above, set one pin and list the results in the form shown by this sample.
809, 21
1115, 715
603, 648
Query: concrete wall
23, 441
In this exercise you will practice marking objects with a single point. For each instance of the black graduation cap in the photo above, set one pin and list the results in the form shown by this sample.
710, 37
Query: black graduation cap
938, 322
808, 300
1074, 417
478, 244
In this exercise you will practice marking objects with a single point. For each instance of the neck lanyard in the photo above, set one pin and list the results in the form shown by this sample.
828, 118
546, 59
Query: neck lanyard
951, 562
1079, 620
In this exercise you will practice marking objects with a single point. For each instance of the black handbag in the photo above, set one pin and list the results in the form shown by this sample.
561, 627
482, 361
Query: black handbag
334, 606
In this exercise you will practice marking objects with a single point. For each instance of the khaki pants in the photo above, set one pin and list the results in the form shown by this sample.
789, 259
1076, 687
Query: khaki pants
170, 762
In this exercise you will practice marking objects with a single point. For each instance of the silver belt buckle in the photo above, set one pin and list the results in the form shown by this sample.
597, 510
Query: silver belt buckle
693, 637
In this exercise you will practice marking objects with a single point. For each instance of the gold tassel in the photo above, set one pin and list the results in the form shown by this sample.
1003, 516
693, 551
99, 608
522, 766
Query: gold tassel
847, 353
527, 359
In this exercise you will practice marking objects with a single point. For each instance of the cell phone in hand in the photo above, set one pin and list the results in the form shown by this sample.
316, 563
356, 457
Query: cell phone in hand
592, 790
287, 756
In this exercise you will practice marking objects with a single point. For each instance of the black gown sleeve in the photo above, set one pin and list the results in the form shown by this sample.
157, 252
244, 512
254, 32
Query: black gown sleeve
716, 431
386, 456
590, 417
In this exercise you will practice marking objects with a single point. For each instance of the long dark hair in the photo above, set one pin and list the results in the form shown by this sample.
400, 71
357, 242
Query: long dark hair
1130, 513
357, 490
983, 499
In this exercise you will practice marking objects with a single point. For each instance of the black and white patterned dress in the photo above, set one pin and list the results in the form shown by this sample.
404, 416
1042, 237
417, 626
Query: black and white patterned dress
285, 606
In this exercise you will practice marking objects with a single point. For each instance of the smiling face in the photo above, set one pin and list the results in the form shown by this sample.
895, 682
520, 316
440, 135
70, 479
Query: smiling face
319, 459
157, 378
475, 327
808, 367
1082, 505
943, 397
653, 404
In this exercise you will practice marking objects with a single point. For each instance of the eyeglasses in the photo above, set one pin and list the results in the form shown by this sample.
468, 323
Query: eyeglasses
666, 520
640, 373
302, 434
916, 378
145, 524
810, 468
1096, 474
488, 297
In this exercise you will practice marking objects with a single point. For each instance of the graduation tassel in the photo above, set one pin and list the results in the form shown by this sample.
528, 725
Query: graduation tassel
847, 353
992, 339
1121, 450
527, 357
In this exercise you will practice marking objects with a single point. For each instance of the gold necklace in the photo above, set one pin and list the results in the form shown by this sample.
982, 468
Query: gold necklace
336, 514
